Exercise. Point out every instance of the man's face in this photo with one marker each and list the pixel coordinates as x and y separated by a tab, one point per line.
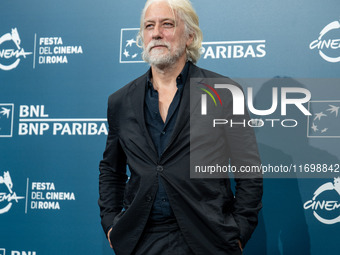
164	34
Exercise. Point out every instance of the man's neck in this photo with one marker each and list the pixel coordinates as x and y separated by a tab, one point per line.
167	76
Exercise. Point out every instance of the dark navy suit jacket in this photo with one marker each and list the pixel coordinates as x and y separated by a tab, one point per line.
210	218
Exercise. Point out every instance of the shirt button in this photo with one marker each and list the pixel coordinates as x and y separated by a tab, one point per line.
159	169
163	199
148	198
163	132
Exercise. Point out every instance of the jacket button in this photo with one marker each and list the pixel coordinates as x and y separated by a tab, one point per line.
148	198
159	169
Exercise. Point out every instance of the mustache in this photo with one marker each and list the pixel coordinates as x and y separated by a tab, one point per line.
153	44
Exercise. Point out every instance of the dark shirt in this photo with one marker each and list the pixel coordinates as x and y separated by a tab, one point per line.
160	133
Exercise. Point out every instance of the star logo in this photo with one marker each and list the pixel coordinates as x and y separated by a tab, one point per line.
6	120
129	50
325	121
5	111
334	109
130	42
314	127
126	53
319	115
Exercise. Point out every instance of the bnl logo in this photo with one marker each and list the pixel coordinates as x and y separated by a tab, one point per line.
239	99
3	252
6	120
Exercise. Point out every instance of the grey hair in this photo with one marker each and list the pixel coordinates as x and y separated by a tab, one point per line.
185	11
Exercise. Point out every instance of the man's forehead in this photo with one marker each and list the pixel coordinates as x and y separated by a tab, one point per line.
160	10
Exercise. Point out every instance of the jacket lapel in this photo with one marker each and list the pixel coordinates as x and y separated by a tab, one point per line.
184	108
137	101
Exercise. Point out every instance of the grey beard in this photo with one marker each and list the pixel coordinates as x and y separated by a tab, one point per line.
163	60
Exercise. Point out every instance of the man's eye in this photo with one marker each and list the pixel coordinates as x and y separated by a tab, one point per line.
167	24
149	26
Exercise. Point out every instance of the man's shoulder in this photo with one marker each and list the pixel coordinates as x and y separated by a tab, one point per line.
123	91
198	72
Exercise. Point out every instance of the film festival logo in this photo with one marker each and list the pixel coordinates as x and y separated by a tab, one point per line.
10	50
129	51
7	195
325	121
239	100
328	46
326	211
6	120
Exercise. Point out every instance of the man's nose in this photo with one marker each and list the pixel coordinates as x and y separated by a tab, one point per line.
157	32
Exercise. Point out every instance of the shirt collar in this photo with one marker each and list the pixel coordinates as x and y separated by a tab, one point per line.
181	78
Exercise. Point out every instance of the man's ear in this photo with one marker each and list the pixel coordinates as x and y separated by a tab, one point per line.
190	40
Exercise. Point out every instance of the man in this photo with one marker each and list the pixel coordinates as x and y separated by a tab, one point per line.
160	210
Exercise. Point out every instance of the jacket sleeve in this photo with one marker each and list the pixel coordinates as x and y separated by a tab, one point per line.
112	177
247	206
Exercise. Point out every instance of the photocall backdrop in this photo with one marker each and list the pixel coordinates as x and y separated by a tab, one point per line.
59	62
